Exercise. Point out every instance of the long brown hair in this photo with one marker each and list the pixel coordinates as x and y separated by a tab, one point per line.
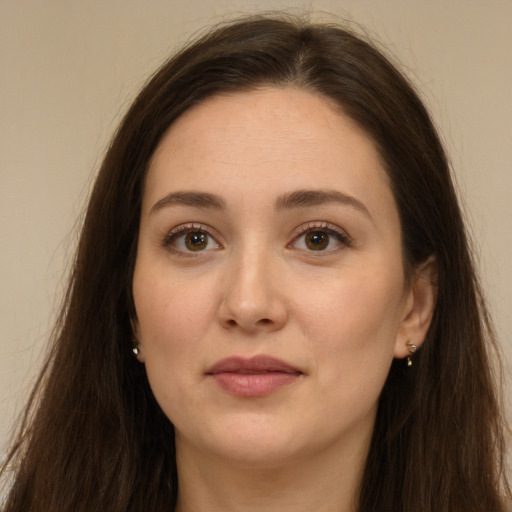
93	437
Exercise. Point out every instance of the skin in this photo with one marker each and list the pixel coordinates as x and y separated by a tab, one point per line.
339	314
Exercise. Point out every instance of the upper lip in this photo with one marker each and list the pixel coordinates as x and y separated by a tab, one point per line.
256	364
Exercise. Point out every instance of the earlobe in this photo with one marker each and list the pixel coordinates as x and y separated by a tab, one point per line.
418	309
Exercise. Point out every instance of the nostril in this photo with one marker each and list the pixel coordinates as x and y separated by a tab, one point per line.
265	321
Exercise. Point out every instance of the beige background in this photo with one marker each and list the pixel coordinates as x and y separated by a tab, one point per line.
68	69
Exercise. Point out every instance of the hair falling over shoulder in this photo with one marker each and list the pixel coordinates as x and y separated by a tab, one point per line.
93	437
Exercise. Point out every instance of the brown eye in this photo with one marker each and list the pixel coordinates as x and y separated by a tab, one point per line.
324	238
316	240
196	240
188	239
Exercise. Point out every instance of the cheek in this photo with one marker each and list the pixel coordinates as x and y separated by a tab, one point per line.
357	364
352	325
172	315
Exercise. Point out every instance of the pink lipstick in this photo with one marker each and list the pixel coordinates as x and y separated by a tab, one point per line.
254	377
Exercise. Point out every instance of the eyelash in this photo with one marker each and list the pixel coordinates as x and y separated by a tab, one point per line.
311	227
323	227
182	230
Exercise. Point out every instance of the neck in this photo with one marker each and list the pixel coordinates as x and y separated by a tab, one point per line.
326	482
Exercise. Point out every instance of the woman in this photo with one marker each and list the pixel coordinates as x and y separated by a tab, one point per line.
275	236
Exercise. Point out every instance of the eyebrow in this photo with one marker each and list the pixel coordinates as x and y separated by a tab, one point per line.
203	200
296	199
309	198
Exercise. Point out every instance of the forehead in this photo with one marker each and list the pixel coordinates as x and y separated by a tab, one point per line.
267	142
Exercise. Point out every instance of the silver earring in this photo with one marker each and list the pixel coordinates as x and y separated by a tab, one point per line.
135	348
412	350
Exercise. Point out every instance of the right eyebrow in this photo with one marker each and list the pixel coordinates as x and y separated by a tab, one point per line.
190	198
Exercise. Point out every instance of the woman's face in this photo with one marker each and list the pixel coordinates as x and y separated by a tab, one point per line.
268	284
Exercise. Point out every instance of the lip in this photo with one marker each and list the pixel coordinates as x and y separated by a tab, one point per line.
253	377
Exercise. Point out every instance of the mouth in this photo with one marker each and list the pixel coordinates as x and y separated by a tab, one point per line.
254	377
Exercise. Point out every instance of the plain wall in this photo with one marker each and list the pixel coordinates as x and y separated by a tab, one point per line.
68	70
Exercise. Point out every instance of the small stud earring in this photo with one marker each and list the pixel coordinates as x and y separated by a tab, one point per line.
135	348
412	349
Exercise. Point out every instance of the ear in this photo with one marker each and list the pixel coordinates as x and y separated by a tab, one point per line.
136	340
419	305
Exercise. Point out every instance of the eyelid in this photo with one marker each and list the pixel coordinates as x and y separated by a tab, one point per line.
332	229
188	227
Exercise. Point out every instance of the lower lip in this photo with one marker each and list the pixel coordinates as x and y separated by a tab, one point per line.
254	385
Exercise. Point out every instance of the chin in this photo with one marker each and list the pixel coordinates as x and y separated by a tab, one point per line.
253	440
260	453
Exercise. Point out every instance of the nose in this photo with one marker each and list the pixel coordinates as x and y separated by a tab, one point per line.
253	299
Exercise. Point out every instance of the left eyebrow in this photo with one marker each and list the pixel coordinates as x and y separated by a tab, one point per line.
190	198
309	198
